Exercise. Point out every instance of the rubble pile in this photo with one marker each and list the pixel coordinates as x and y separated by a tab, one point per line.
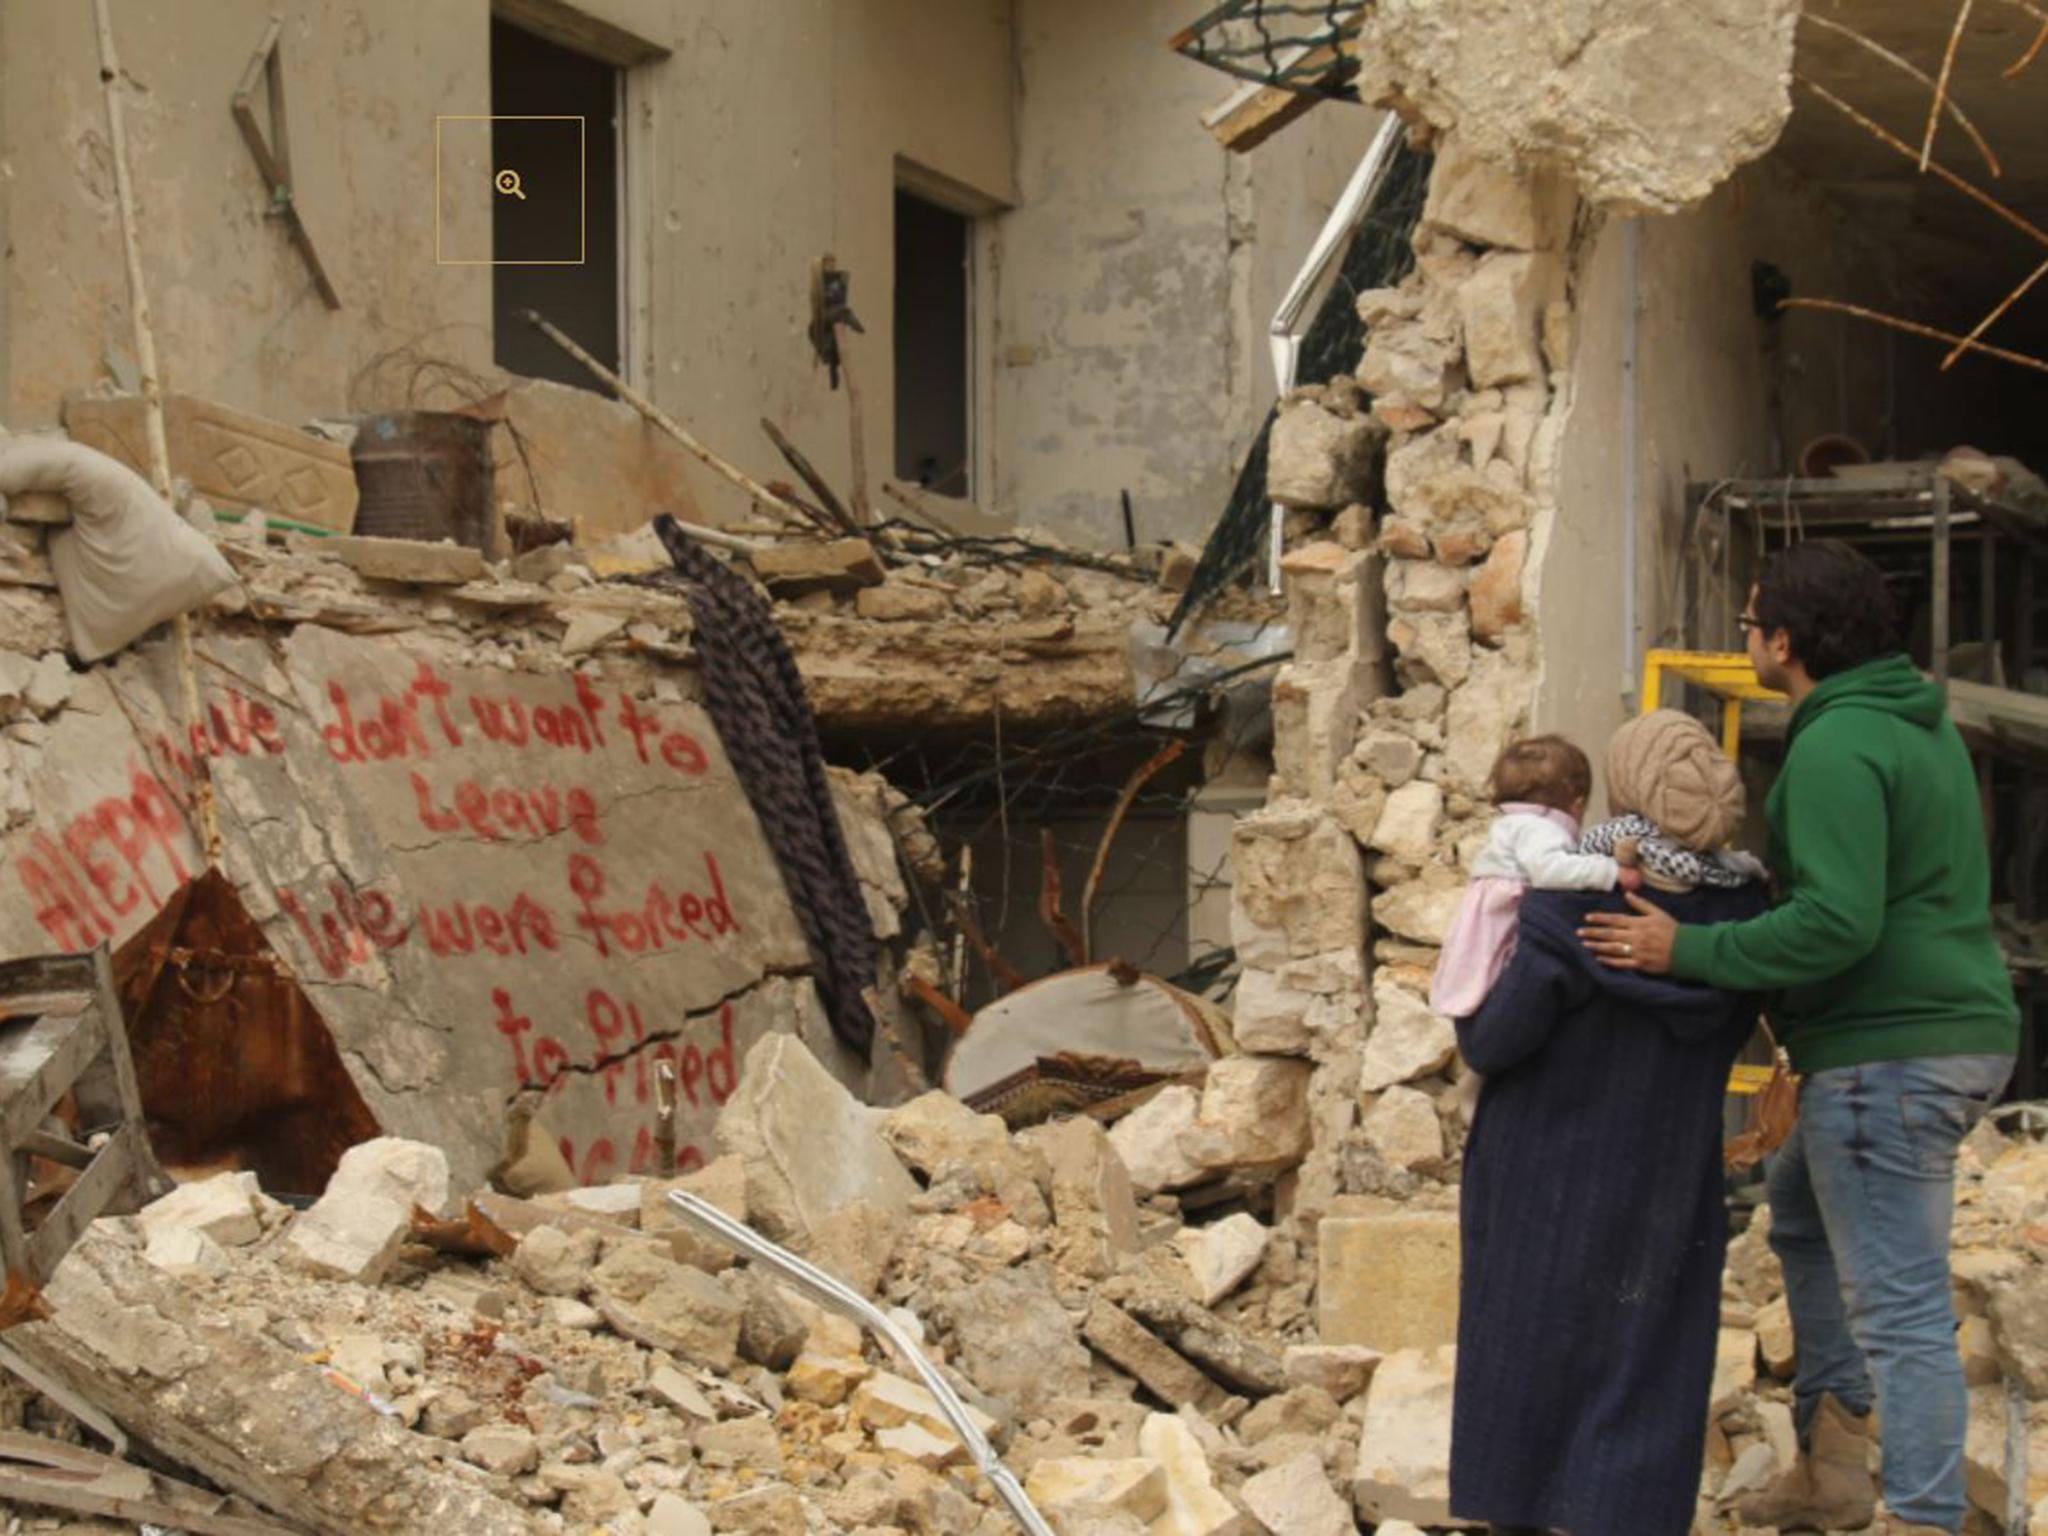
1999	1272
610	1368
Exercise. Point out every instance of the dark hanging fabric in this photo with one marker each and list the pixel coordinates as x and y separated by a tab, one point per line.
756	699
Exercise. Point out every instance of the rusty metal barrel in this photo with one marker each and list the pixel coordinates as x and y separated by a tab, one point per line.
424	475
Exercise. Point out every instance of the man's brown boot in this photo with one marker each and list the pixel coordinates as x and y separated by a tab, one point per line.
1830	1487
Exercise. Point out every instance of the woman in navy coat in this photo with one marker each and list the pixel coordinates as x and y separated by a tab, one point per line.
1593	1232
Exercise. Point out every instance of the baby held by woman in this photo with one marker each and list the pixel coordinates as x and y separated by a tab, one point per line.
1676	799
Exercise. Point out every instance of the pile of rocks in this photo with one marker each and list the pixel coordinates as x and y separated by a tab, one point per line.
614	1369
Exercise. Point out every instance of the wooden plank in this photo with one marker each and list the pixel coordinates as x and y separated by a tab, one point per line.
38	1061
1264	113
115	1169
150	1178
580	32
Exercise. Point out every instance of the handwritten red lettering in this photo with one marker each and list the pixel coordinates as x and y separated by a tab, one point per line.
663	915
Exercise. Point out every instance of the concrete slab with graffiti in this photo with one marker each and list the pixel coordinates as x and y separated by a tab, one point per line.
488	879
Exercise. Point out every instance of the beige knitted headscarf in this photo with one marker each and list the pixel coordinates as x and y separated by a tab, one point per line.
1667	766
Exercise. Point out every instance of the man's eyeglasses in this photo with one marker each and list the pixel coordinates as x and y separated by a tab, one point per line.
1749	621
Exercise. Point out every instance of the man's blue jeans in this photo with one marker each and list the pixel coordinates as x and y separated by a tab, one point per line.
1862	1196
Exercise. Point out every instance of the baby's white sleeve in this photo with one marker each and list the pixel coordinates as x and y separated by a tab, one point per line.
1547	859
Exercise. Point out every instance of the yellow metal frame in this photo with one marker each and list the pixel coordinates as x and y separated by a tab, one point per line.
1727	675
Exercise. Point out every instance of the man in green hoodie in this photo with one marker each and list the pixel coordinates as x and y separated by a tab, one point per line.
1893	1000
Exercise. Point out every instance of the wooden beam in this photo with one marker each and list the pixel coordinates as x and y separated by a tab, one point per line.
574	28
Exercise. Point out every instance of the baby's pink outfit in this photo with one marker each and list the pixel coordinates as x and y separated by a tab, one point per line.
1529	845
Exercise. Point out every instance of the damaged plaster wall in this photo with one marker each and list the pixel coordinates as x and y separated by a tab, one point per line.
1719	393
1139	273
491	874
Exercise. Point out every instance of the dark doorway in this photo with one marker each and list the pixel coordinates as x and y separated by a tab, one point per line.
555	236
933	390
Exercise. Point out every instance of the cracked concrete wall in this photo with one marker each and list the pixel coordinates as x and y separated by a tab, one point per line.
487	879
1139	272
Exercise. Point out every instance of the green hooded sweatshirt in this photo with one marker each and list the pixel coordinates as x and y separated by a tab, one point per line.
1883	948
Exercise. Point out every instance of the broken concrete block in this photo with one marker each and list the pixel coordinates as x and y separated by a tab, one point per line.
554	1262
1270	1018
796	566
770	1511
1774	1338
502	1448
1404	1444
50	686
1094	1213
898	602
587	632
723	1182
1223	1255
229	456
936	1129
1421	910
914	1443
451	1415
1319	459
827	1380
1297	887
1734	1370
1193	1506
1134	1485
1407	1041
884	1401
1480	202
1502	305
1408	825
749	1443
1342	1370
1014	1340
632	1268
1496	590
809	1148
1148	1141
1142	1355
688	1314
354	1231
1254	1114
2019	1320
412	561
186	1252
224	1208
1388	1281
1296	1499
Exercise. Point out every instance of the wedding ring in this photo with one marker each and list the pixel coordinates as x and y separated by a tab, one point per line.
1628	951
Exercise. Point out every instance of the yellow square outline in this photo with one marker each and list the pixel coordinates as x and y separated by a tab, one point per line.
582	182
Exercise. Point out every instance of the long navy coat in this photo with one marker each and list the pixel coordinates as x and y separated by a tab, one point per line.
1594	1232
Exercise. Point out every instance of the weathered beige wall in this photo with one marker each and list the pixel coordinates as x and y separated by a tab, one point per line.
236	312
1705	410
1140	271
768	136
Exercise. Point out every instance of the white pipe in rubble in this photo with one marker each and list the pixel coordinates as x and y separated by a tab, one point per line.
822	1288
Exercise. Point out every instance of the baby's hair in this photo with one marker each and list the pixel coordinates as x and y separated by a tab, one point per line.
1541	770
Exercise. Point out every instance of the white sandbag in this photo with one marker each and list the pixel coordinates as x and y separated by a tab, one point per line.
127	562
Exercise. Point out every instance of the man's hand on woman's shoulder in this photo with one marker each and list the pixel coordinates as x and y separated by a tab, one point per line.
1639	943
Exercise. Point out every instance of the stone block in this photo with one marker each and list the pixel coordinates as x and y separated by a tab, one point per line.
1295	1499
1402	1127
225	1208
1424	586
1734	1370
354	1230
1062	1484
1012	1338
230	457
1334	603
1148	1139
1095	1214
554	1262
672	1515
186	1252
1388	1280
1342	1370
808	1147
2019	1321
1297	887
1502	307
797	566
1270	1017
774	1510
1433	647
1480	202
1483	717
412	561
936	1129
723	1182
1222	1255
1404	362
1421	910
1320	459
1315	708
884	1401
1408	825
1404	1445
827	1380
1138	1352
1774	1339
899	602
1193	1505
687	1313
502	1448
1496	590
1254	1115
1407	1041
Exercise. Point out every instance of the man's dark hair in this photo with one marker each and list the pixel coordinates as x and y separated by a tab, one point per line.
1833	605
